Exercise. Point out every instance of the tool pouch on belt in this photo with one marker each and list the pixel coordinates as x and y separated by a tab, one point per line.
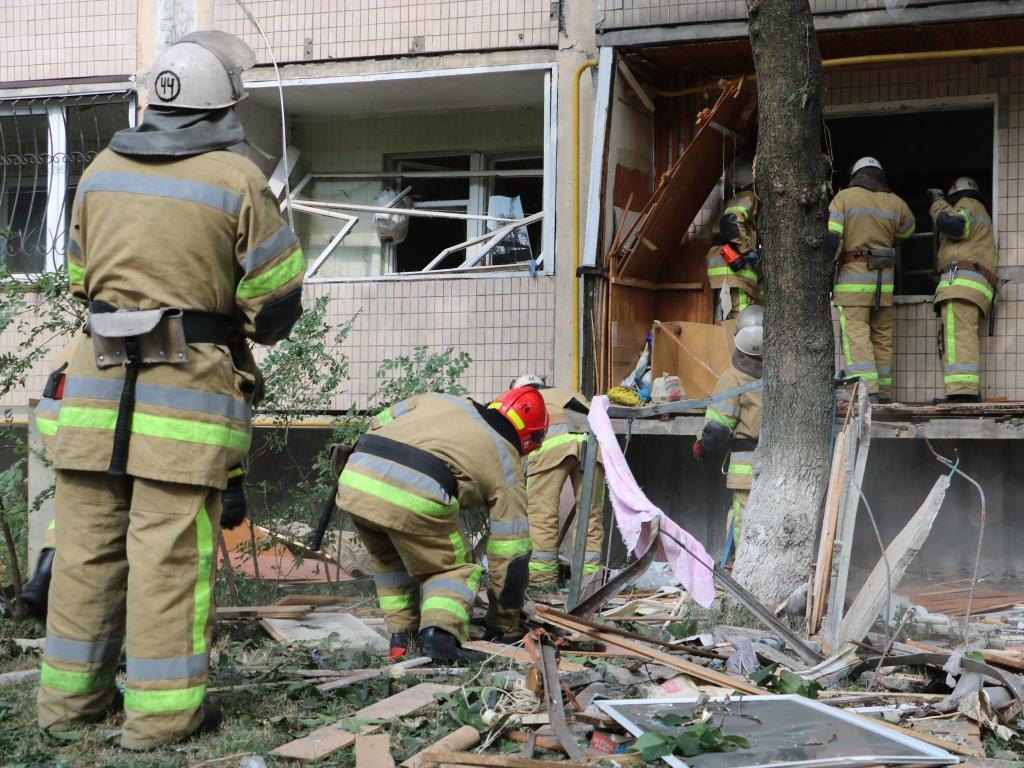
880	260
156	335
132	338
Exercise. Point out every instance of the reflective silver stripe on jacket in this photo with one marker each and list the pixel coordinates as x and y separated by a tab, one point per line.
160	395
392	472
81	651
160	186
167	669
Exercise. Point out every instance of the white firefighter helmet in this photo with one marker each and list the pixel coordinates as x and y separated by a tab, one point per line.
865	162
963	184
743	173
750	330
203	70
528	380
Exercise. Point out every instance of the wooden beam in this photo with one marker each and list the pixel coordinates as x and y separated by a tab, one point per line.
456	741
653	285
374	751
498	761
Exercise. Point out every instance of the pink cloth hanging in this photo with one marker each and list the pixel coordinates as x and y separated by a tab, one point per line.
639	521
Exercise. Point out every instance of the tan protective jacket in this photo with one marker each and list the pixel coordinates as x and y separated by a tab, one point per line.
486	466
866	220
739	222
966	239
559	443
201	233
741	415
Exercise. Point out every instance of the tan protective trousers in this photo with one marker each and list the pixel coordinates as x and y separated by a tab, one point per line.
422	580
543	492
866	338
740	301
134	560
960	347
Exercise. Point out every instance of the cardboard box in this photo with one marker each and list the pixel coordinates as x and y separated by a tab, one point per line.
697	353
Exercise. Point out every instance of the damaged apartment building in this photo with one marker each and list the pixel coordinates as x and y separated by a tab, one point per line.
522	139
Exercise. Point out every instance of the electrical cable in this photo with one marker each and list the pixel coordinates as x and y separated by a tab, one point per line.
284	125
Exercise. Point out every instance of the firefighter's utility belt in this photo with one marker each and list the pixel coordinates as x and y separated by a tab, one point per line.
411	457
132	338
973	266
744	444
876	258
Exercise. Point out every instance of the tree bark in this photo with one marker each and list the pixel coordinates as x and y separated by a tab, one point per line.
791	462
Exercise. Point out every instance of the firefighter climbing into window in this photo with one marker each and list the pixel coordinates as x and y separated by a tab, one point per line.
865	220
403	485
967	261
178	248
559	459
733	258
733	422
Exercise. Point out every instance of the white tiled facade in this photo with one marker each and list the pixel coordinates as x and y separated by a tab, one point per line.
346	29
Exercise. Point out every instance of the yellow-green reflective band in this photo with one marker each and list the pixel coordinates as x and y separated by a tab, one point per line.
966	216
741	469
736	209
395	602
835	226
204	550
950	336
845	336
558	440
448	605
76	682
164	427
719	271
746	273
164	701
885	381
52	525
909	232
712	415
273	278
963	282
743	301
396	496
236	472
543	567
509	547
962	378
76	274
590	568
46	427
473	582
385	417
459	547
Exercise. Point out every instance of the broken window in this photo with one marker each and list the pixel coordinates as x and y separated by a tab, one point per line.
918	150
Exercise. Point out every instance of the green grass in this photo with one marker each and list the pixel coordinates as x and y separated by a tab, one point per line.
258	716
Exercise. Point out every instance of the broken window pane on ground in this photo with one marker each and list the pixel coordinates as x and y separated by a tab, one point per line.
780	730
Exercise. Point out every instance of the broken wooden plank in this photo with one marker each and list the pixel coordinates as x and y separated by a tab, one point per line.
359	676
553	699
823	567
498	761
456	741
265	611
329	739
871	598
652	654
339	630
516	654
373	750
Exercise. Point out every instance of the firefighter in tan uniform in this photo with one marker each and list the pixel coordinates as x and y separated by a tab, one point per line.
733	258
403	485
547	469
734	422
180	251
865	220
967	263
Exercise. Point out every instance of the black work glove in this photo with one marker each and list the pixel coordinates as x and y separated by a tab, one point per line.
232	500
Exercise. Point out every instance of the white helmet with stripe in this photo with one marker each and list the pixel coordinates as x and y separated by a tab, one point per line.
865	162
963	184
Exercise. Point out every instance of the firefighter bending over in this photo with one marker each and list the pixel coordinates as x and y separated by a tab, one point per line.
403	485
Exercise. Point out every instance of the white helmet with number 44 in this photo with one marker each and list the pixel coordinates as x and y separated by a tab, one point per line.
203	70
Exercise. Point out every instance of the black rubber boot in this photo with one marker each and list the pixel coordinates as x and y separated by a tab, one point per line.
212	720
36	591
963	399
401	642
443	646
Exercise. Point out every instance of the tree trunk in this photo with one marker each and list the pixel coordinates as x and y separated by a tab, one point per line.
791	462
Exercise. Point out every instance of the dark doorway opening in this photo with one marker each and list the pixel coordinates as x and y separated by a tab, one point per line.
918	150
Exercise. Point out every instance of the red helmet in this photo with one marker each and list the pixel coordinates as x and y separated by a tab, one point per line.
524	408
